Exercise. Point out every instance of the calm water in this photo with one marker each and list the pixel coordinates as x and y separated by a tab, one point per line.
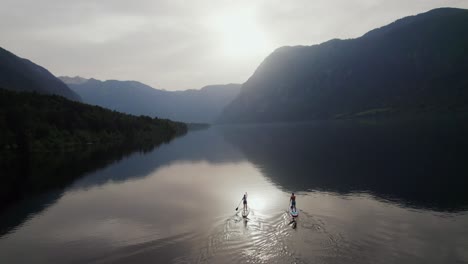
367	193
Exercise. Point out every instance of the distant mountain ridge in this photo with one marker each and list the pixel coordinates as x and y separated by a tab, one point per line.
202	106
18	74
416	65
73	80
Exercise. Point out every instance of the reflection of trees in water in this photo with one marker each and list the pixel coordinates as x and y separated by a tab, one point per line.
420	165
32	174
204	145
47	175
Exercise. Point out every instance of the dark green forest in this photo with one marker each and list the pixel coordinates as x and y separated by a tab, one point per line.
34	122
47	141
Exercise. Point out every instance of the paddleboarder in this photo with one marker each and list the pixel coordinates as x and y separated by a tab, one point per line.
293	201
244	199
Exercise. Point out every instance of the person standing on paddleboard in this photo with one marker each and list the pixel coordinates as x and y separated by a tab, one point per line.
293	201
244	199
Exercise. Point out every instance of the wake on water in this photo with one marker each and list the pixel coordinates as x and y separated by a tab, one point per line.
264	239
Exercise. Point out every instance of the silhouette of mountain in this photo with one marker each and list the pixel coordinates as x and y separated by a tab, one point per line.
202	106
20	74
414	66
73	80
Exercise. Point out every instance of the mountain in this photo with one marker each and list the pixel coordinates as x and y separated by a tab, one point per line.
202	106
20	74
73	80
416	65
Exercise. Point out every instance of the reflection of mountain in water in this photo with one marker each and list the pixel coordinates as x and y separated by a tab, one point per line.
201	145
420	165
61	170
37	180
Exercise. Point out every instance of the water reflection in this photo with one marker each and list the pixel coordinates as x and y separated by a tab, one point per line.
37	180
197	146
422	165
87	169
177	203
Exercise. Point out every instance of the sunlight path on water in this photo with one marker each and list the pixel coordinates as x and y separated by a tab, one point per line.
177	204
174	200
184	212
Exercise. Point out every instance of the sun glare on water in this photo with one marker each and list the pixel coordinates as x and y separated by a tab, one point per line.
239	34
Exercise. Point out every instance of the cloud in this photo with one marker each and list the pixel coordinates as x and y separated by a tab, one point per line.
175	44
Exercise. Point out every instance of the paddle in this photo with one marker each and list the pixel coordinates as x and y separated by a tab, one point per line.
239	204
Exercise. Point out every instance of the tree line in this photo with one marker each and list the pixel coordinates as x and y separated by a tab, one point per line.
36	122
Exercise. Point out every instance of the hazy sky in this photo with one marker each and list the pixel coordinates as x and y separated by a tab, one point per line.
175	44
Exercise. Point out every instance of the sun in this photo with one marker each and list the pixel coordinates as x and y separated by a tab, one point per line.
239	34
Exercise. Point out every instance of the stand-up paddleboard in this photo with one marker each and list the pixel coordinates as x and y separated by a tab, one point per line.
293	212
245	212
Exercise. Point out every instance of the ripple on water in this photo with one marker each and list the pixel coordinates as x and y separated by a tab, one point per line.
269	239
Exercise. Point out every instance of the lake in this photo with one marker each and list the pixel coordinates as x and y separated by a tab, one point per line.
367	192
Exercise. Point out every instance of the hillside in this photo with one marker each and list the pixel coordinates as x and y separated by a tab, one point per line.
18	74
414	66
34	122
200	106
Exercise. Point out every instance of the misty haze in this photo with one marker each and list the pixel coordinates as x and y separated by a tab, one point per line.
234	132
